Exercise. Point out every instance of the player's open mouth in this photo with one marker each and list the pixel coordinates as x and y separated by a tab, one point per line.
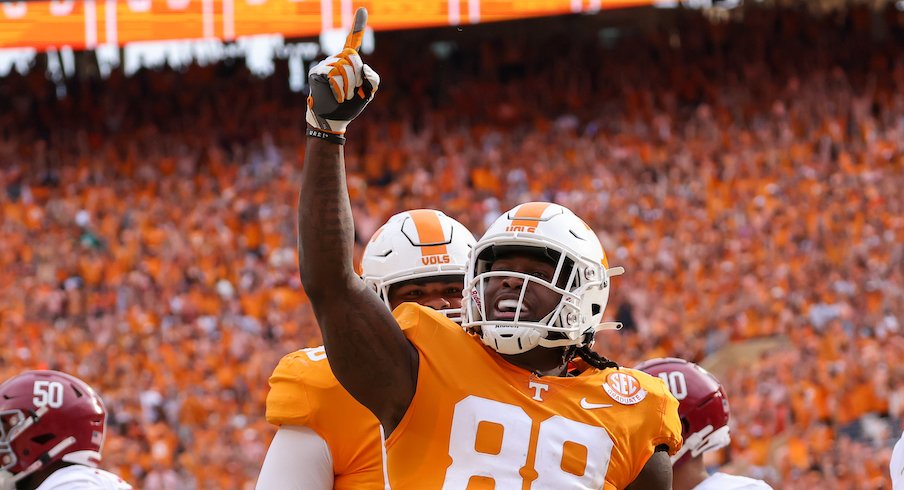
506	307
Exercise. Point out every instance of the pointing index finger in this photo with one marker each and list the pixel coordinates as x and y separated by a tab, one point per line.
357	35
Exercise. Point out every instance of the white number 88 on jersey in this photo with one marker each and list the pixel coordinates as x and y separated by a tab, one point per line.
493	440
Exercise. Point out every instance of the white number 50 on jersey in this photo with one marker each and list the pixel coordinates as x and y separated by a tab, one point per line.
503	463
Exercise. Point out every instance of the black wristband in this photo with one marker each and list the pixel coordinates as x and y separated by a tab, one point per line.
334	138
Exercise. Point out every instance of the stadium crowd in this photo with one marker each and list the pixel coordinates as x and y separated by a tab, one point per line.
747	175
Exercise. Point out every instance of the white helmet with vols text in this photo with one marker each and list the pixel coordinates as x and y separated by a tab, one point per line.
416	244
582	278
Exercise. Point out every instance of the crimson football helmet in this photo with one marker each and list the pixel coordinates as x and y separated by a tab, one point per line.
45	417
702	404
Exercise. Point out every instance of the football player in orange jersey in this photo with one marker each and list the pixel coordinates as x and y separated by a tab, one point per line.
327	439
498	407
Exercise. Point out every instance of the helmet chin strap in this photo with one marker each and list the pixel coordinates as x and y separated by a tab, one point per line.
588	336
608	326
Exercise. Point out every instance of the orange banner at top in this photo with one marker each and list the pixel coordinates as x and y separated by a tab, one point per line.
91	23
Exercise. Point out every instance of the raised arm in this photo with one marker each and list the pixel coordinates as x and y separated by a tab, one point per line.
366	349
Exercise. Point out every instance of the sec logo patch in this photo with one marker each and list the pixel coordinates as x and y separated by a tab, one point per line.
624	388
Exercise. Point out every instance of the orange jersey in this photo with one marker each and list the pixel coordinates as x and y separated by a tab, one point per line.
304	391
477	421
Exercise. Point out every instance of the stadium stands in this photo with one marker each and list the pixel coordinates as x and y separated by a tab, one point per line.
747	175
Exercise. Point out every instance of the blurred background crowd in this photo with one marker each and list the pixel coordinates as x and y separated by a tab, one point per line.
746	171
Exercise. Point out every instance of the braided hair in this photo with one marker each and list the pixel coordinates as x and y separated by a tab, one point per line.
595	359
589	356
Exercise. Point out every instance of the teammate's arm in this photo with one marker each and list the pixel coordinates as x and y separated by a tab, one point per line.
368	352
298	459
656	474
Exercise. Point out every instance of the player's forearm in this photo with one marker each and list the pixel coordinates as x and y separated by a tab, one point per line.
325	227
368	353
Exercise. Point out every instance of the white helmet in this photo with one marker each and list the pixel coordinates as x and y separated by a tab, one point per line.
416	244
563	237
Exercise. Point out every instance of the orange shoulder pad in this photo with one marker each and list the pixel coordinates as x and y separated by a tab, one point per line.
288	402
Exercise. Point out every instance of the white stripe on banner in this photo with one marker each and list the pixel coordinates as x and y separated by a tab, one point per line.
345	6
454	13
228	20
474	11
326	15
207	18
90	24
110	25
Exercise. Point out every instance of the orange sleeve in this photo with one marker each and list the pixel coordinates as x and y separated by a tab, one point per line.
669	432
304	391
287	401
647	434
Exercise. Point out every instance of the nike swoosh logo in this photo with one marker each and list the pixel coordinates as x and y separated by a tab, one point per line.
590	406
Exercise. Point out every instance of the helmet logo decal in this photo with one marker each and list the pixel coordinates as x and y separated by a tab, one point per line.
624	388
527	217
528	229
475	297
429	232
436	259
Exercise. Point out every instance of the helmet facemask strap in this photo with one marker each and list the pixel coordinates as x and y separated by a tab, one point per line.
17	419
39	463
7	436
705	440
551	323
546	322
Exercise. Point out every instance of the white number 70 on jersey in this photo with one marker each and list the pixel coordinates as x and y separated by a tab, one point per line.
555	436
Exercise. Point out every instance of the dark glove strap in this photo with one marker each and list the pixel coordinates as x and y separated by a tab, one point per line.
334	138
328	108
